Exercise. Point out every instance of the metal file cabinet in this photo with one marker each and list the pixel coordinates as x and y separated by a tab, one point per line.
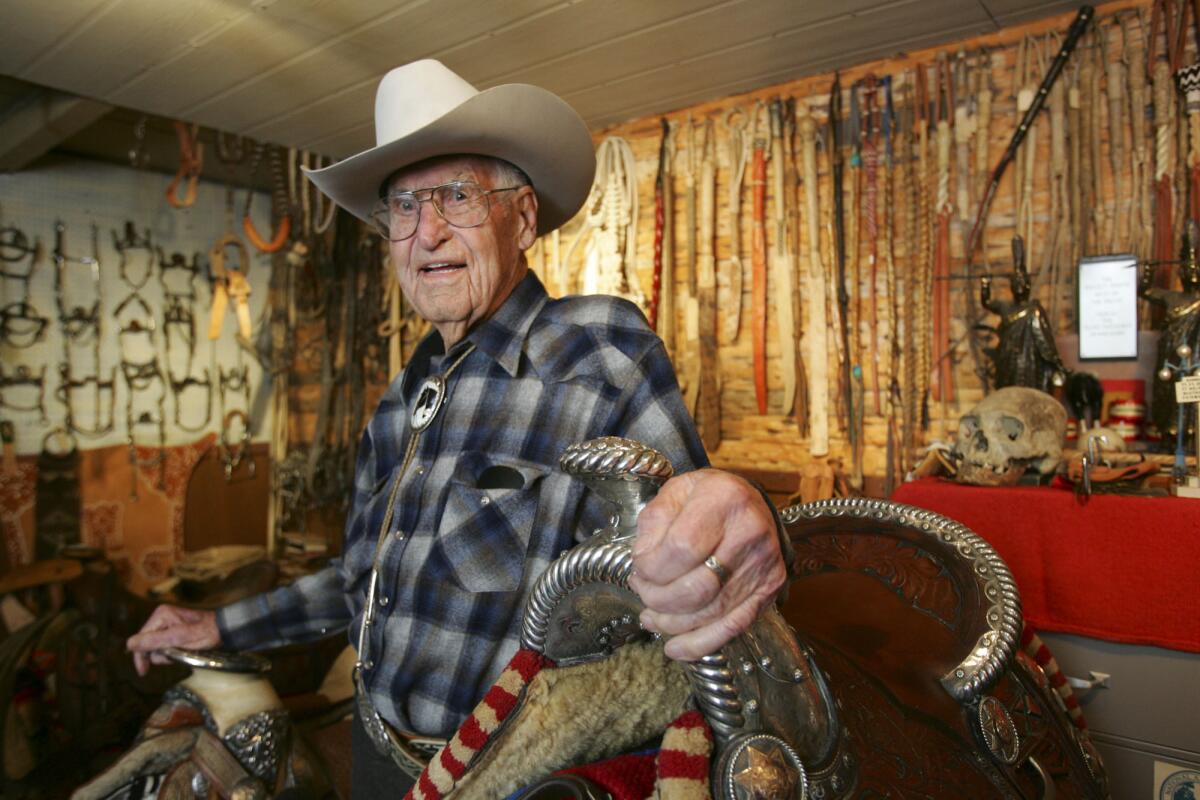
1147	714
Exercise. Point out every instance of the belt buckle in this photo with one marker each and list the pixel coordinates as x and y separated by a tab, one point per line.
388	743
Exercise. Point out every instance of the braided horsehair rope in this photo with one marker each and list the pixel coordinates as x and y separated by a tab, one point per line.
608	230
1135	55
925	247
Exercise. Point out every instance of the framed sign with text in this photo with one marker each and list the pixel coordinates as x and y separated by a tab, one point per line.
1108	324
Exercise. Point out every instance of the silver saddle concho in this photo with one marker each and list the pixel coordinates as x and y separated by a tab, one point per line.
222	732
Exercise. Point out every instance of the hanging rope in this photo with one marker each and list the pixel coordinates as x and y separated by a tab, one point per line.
943	342
610	242
281	203
191	161
924	185
1135	73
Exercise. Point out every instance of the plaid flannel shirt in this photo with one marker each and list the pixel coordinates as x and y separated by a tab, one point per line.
462	554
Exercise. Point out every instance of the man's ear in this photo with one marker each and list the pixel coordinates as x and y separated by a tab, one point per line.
526	208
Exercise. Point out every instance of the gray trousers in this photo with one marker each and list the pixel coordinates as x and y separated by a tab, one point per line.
372	774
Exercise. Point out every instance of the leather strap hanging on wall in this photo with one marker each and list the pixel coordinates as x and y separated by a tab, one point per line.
1025	88
708	411
792	203
1142	223
1114	88
913	325
870	213
1059	253
983	135
816	330
666	247
852	216
735	123
943	349
782	266
758	257
895	403
659	179
690	361
837	173
1164	168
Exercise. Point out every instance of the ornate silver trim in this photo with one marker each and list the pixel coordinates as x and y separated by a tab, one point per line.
181	694
593	562
996	729
994	648
259	741
615	457
246	663
717	696
733	790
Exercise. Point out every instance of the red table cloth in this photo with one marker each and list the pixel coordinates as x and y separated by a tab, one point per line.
1125	569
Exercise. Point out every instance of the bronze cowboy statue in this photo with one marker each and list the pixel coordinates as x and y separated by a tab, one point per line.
1182	327
1025	354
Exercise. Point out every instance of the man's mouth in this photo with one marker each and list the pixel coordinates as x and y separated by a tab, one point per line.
442	267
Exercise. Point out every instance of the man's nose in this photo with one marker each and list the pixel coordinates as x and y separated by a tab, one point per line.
432	229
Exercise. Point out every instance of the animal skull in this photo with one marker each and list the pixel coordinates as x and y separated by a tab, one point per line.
1012	429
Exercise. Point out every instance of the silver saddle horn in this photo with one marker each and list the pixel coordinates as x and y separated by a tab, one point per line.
768	705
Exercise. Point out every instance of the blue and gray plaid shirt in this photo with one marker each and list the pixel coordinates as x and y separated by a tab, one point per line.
482	509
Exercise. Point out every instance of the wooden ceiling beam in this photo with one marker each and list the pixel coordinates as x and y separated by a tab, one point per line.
41	121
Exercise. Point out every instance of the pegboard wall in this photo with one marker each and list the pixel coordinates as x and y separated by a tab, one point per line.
93	199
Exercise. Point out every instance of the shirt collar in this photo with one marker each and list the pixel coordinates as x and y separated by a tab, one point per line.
502	336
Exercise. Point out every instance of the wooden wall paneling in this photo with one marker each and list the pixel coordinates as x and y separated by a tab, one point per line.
773	441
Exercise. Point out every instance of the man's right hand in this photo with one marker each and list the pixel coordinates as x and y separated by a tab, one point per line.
171	626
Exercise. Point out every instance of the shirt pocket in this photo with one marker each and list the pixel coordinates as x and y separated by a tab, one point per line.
484	533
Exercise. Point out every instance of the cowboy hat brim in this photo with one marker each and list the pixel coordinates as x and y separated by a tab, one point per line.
522	124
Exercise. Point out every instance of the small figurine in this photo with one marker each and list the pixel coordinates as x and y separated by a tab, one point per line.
1182	330
1025	354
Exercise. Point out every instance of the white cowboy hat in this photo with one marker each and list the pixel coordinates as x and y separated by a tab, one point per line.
424	110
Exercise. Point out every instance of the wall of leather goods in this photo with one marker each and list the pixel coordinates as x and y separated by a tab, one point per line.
750	201
108	376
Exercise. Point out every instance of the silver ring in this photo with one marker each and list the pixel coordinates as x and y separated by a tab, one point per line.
718	569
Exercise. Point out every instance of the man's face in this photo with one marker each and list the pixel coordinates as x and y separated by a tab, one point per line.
455	277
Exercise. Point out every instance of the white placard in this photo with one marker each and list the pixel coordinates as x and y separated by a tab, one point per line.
1108	307
1187	390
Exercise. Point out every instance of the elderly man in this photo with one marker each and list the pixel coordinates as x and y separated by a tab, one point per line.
458	504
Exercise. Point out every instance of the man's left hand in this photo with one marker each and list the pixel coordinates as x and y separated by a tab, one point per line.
694	516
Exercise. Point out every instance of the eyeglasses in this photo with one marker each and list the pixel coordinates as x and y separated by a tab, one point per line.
463	204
